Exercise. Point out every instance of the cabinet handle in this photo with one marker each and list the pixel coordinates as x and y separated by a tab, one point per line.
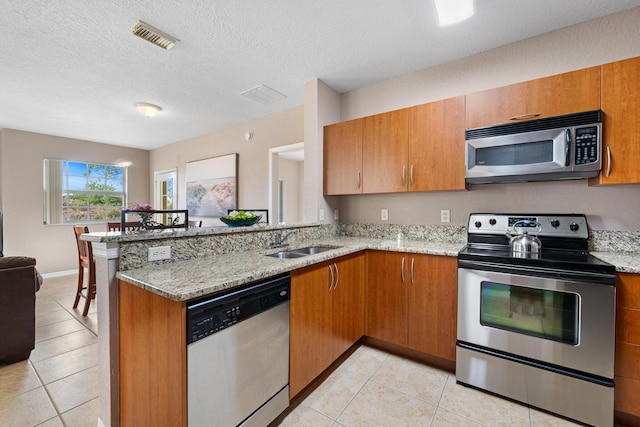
337	276
411	175
413	260
331	282
525	116
358	180
402	273
608	162
404	170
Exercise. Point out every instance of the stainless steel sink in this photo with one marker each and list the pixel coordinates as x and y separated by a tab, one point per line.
287	254
311	250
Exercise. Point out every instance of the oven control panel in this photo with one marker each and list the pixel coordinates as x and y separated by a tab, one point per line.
552	225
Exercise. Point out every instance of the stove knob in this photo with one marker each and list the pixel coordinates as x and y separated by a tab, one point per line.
574	227
478	224
555	223
492	221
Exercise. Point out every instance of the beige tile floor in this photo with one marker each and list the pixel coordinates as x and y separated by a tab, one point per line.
58	385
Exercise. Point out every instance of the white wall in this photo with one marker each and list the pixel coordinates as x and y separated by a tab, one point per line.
593	43
278	129
53	246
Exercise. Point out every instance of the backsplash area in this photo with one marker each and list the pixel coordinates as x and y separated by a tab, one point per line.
431	233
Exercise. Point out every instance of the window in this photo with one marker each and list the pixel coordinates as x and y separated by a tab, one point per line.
82	192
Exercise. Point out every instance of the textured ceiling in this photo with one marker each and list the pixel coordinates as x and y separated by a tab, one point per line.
71	68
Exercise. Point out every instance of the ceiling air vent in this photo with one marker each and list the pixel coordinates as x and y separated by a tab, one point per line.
153	35
263	94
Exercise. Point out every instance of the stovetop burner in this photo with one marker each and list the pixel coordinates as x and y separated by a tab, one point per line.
564	241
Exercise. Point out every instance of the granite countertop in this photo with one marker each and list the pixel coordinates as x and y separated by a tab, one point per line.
624	262
186	280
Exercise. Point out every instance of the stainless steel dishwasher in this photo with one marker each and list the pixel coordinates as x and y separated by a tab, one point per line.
238	356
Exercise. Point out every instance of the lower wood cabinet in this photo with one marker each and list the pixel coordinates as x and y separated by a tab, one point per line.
627	365
327	316
412	300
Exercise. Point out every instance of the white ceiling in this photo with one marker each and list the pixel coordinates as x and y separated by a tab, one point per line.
71	68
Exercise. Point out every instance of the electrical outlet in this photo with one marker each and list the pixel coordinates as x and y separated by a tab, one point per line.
445	215
336	214
384	214
159	252
321	215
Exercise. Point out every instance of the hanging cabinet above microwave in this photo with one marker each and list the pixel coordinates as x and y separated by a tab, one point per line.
556	95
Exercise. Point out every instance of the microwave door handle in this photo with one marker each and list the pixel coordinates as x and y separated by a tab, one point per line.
567	147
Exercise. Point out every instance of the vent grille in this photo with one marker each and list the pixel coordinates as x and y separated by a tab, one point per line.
585	118
153	35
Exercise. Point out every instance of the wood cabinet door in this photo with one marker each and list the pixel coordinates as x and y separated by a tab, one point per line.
433	293
387	296
348	301
343	158
436	145
621	124
385	152
556	95
310	345
627	365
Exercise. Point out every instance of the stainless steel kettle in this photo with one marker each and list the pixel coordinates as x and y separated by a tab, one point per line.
523	244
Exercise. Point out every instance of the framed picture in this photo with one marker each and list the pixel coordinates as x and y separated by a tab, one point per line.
212	186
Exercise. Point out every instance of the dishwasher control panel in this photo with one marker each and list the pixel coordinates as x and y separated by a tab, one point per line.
208	316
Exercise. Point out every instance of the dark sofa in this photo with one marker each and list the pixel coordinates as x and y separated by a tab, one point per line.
19	282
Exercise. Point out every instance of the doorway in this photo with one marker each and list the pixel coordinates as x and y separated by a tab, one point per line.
165	185
286	183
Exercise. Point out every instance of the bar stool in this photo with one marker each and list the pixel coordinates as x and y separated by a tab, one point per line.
85	261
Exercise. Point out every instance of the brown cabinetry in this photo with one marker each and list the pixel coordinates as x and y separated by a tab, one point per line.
343	158
327	316
621	122
411	301
436	146
627	365
385	152
545	97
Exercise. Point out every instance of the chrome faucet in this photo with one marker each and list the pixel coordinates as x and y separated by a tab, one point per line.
281	238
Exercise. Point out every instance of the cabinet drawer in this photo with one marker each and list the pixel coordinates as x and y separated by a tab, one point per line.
628	291
628	325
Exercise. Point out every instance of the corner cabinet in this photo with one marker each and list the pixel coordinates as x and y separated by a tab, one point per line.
327	316
545	97
621	123
342	172
412	300
627	367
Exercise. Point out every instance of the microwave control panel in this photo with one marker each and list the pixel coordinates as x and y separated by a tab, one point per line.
586	145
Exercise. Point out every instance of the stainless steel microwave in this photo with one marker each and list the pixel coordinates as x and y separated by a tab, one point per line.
553	148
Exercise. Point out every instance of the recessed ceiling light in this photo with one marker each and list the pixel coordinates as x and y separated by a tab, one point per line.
454	11
153	35
263	94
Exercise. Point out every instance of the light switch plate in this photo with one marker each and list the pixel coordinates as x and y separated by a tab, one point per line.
445	215
384	214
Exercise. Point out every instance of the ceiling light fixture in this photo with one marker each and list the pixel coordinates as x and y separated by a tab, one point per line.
147	110
454	11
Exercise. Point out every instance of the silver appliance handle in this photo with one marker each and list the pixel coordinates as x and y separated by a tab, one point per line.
608	162
337	276
567	147
402	273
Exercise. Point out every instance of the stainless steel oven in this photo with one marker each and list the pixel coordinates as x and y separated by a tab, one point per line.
538	329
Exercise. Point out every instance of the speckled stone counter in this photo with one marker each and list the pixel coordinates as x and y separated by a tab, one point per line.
186	280
624	262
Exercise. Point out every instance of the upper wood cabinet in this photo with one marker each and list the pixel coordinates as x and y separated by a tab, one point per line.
545	97
621	122
436	146
343	158
385	152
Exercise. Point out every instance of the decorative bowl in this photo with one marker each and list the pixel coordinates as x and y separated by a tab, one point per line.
241	222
